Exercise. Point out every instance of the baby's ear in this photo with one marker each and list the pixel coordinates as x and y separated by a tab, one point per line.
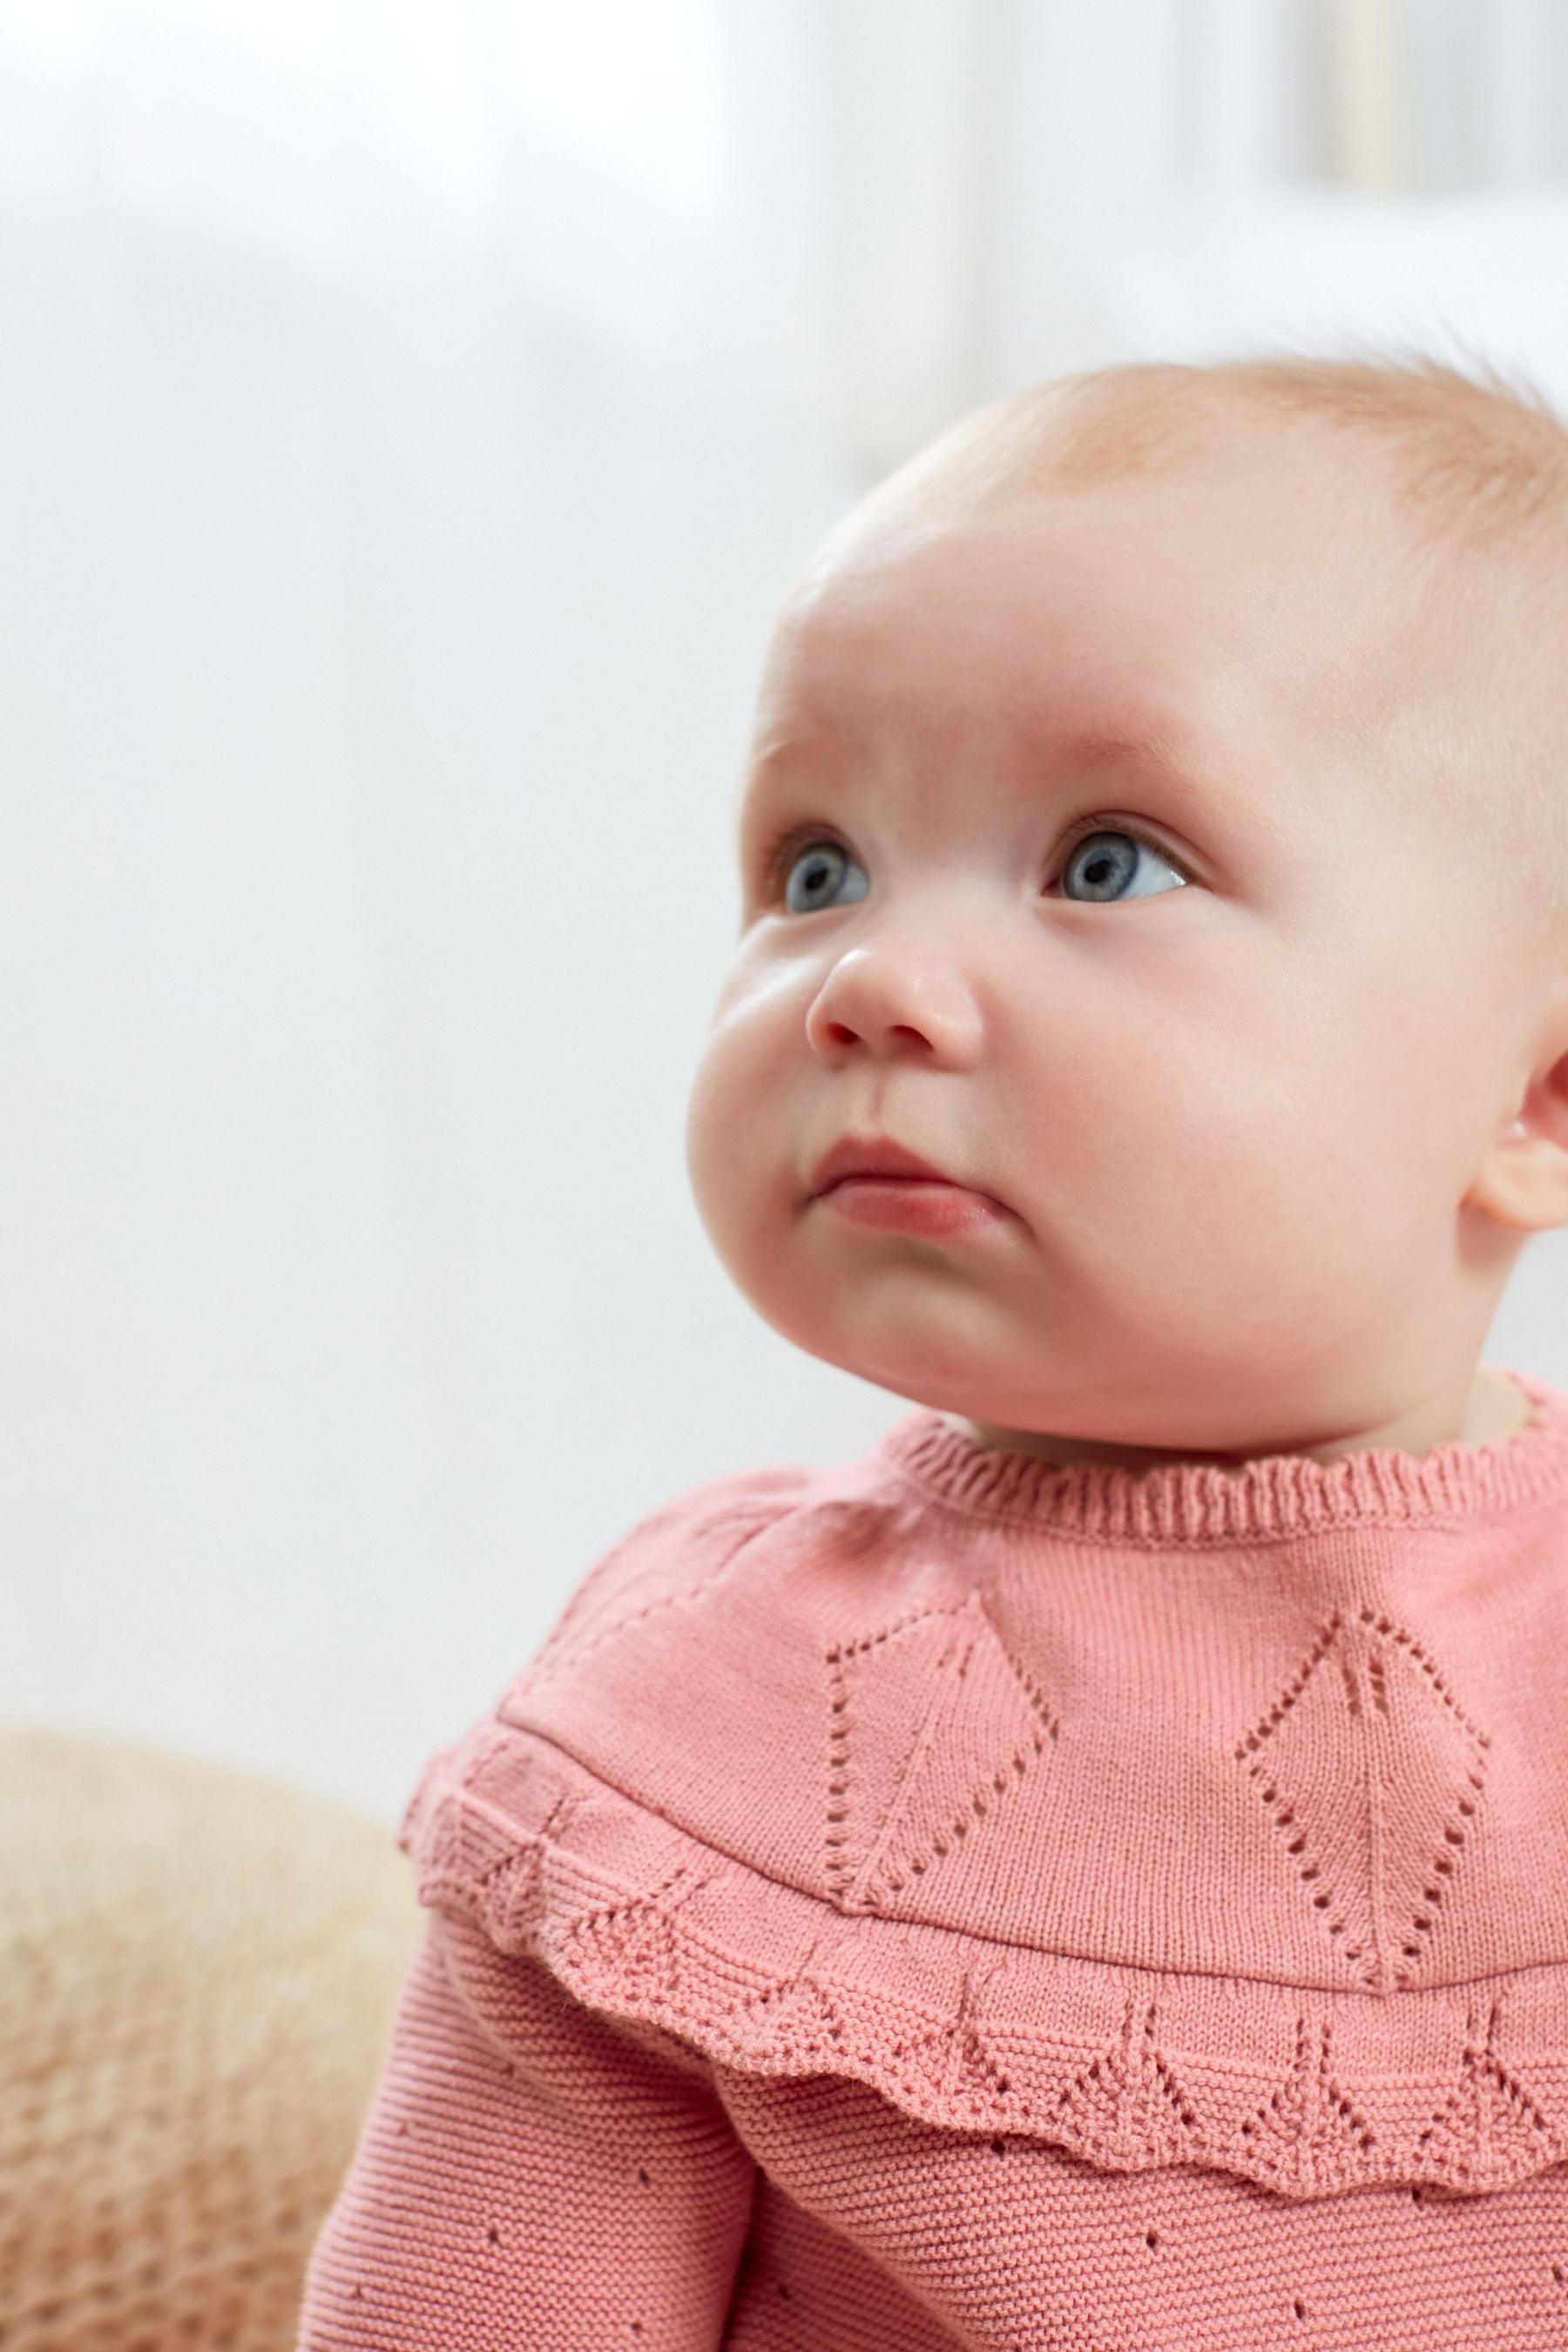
1523	1180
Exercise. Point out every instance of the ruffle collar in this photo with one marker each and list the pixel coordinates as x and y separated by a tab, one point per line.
1304	2091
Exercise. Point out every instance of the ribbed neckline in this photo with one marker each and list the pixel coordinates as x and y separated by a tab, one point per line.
1276	1496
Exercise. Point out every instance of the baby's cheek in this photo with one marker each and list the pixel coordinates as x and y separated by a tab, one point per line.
734	1146
709	1107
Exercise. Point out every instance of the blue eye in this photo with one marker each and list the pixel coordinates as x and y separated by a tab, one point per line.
815	875
1104	862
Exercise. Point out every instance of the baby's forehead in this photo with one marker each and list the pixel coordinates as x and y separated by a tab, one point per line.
1418	518
1442	481
1122	607
1129	483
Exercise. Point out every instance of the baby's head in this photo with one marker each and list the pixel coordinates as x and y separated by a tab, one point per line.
1157	820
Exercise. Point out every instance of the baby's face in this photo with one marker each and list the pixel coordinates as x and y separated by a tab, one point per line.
1101	893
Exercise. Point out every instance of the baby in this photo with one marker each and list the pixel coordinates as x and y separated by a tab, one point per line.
1092	1872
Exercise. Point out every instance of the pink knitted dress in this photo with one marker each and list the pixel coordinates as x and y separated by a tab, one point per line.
944	1901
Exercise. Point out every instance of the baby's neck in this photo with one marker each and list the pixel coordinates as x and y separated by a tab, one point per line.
1495	1409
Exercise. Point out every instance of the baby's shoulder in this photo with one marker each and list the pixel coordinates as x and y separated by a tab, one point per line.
695	1661
672	1552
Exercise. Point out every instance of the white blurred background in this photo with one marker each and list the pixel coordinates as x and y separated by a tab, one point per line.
411	412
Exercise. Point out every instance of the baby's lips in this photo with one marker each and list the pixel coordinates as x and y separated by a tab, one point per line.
874	1155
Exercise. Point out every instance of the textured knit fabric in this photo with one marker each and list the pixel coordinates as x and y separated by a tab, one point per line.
198	1970
945	1901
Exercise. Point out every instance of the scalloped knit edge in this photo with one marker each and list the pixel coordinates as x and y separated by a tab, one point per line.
1122	2086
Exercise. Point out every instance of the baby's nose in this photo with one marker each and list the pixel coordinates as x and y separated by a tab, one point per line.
895	1000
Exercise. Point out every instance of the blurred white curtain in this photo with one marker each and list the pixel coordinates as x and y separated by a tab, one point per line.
992	164
410	412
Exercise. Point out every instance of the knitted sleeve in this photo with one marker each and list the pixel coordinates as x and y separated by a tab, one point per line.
527	2174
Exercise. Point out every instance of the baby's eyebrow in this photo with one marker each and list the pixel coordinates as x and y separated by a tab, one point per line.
770	768
1170	753
1055	753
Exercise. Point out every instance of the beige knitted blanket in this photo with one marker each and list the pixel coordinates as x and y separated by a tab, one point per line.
197	1973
